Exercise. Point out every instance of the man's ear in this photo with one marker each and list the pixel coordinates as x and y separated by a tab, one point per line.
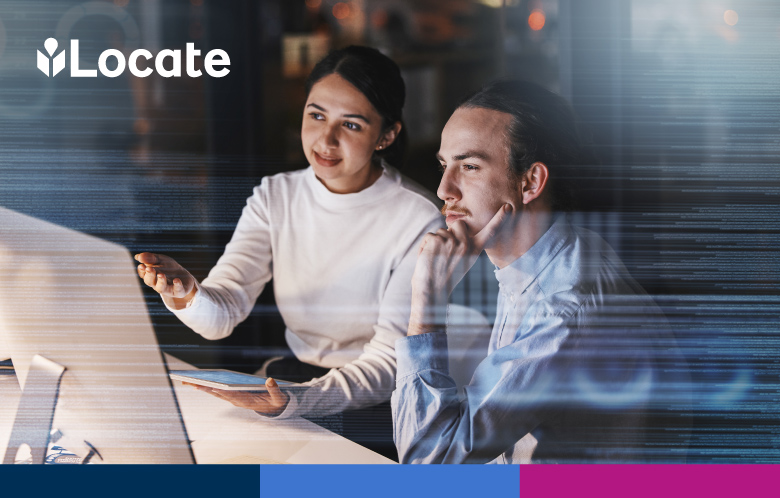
388	137
534	181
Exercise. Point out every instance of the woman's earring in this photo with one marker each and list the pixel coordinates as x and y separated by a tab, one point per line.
380	147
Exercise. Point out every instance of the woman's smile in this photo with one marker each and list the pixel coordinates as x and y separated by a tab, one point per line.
326	161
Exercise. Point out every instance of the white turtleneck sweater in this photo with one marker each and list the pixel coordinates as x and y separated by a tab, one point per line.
341	266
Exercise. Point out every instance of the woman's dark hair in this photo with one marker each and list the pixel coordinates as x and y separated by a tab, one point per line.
379	79
544	128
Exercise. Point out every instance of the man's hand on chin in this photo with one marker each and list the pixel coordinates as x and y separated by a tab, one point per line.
444	258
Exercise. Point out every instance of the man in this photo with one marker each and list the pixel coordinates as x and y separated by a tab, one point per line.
579	361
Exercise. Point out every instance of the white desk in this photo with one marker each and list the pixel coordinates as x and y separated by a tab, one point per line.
222	433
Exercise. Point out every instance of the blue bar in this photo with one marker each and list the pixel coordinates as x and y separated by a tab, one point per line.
390	481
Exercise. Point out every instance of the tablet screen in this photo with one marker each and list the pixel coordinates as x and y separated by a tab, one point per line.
223	379
222	376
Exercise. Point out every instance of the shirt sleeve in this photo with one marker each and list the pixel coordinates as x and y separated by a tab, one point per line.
226	297
510	393
370	379
584	371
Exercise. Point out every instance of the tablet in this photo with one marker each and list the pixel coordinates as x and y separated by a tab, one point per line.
224	379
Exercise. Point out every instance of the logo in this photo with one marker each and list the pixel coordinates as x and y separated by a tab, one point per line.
167	63
43	60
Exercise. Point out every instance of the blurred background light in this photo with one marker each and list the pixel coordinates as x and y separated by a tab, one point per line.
379	18
341	10
731	17
536	20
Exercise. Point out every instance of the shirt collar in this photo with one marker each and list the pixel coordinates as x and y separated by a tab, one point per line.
521	272
383	187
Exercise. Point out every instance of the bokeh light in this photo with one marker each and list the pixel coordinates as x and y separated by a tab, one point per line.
379	18
142	126
731	17
313	4
536	20
341	10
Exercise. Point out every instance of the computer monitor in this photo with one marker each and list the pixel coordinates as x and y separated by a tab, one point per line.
75	300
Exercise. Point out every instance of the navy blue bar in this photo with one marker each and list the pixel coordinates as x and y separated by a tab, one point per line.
136	481
390	481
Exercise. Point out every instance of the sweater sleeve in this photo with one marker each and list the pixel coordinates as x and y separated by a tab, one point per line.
226	297
370	379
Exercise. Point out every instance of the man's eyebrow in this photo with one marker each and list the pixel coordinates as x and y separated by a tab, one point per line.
470	154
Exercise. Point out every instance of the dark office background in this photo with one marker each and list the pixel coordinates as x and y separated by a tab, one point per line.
681	99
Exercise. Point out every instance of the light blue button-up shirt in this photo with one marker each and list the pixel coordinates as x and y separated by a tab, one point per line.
580	368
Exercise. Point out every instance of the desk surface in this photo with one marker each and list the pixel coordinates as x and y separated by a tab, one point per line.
222	433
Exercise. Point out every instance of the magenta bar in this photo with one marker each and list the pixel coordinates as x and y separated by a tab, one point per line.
648	481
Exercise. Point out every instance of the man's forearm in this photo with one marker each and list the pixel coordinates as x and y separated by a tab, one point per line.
428	313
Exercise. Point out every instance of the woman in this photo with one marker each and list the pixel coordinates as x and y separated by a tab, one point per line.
339	239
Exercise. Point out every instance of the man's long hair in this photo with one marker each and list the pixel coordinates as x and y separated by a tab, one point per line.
544	128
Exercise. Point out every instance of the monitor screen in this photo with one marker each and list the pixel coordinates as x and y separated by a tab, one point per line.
75	300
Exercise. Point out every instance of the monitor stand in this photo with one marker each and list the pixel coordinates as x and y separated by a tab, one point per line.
36	410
